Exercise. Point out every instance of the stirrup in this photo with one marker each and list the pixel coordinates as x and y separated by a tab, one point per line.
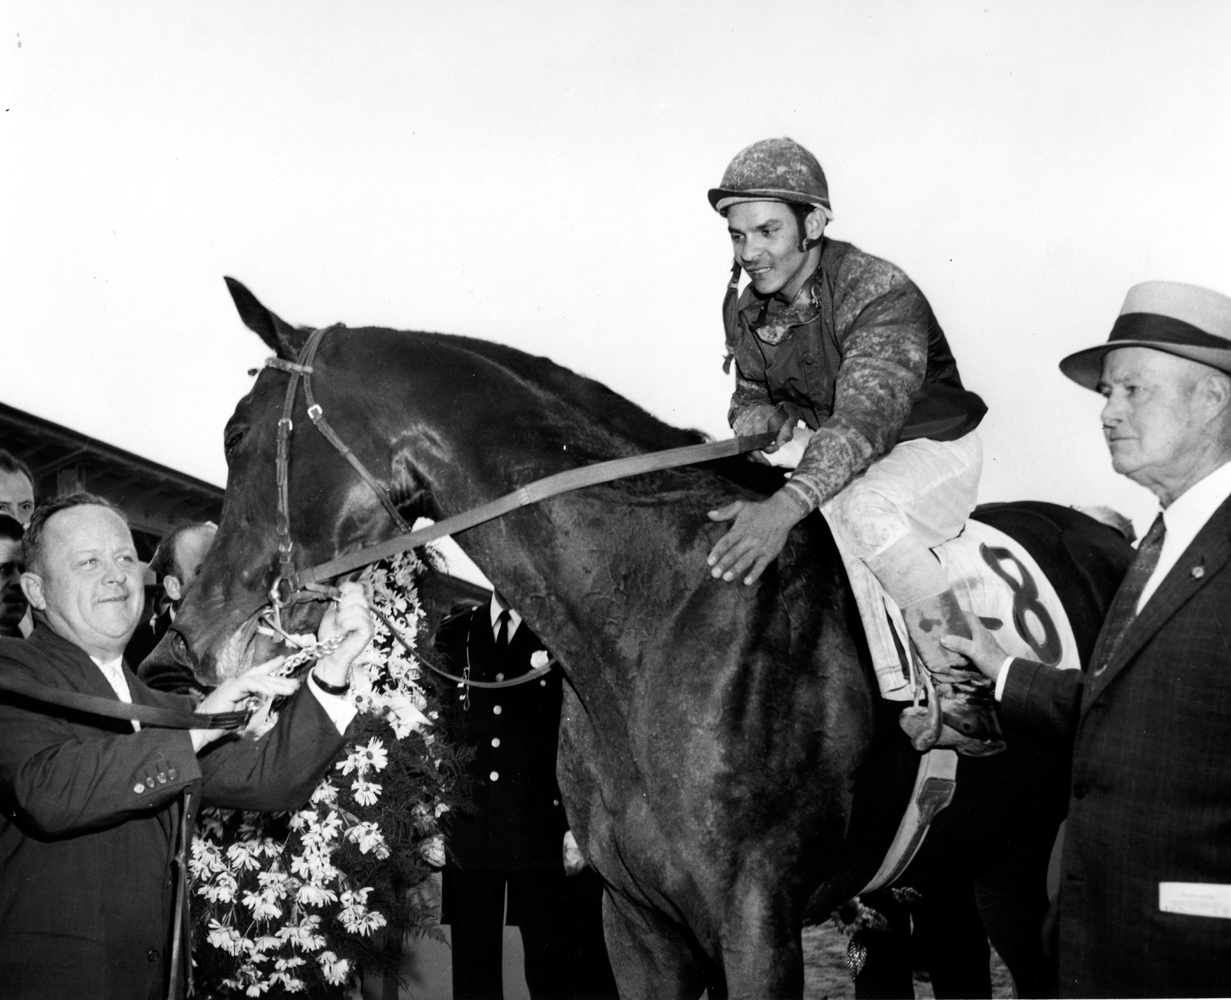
927	726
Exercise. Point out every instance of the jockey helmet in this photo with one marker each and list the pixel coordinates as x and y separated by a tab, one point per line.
773	170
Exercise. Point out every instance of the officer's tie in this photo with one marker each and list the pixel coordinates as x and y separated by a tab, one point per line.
1124	607
502	632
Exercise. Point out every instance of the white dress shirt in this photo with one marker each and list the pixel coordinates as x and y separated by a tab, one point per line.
1184	519
113	670
514	618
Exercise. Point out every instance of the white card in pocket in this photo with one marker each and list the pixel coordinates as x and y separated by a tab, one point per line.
1197	899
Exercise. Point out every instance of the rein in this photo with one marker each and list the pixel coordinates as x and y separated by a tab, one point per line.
293	585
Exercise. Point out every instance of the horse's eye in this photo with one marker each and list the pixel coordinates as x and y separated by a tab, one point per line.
232	439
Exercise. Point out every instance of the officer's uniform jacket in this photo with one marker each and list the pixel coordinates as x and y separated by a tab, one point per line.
518	821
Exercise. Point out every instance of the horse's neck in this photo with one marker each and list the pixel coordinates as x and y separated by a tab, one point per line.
589	573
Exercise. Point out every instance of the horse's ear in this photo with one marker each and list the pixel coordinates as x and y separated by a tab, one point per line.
284	339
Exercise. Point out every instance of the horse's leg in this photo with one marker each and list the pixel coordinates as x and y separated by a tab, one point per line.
761	949
651	957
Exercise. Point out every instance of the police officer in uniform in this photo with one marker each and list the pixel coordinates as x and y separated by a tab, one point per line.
514	837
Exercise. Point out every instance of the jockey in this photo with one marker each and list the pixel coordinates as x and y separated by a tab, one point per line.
844	347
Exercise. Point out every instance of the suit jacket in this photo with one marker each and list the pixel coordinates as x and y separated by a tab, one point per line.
1151	794
518	821
89	812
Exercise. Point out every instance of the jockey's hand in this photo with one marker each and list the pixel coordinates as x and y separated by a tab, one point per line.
235	694
755	539
782	423
982	649
351	617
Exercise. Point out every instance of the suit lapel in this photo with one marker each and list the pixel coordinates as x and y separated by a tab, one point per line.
73	666
1203	558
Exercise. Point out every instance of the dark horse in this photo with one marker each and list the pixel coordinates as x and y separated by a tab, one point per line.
727	764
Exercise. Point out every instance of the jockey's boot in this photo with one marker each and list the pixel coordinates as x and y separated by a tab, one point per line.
961	710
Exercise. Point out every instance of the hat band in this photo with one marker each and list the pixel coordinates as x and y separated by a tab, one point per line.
1163	330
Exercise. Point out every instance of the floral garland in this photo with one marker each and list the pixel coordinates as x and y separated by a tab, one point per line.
291	901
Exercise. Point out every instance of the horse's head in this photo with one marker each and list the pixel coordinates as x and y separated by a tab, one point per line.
442	423
329	508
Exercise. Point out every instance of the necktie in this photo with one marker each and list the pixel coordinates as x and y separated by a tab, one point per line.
1124	607
502	633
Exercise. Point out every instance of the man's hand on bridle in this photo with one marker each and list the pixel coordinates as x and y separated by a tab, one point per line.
351	617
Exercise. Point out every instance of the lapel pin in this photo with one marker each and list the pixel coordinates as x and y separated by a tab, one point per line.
1198	572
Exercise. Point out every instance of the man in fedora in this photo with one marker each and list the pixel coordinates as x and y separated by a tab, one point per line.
1145	889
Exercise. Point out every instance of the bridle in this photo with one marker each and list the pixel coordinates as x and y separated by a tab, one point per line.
301	370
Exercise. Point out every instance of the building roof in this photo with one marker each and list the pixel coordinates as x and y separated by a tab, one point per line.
155	498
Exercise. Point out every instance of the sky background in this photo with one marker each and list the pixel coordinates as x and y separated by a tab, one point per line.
535	173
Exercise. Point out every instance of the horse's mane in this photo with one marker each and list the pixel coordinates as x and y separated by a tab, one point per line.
609	410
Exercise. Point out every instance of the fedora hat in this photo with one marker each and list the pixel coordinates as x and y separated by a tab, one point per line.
1186	320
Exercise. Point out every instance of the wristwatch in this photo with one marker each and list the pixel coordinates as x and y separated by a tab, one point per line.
334	689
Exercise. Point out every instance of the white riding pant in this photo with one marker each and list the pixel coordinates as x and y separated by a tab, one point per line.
911	500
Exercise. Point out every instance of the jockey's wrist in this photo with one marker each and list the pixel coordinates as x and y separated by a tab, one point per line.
796	500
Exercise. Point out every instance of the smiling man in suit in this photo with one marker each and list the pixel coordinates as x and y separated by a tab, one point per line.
93	808
1145	891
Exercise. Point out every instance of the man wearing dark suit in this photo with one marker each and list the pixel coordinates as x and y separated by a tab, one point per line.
1145	888
516	835
93	809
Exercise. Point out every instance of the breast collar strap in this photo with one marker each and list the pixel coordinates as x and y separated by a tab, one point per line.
287	582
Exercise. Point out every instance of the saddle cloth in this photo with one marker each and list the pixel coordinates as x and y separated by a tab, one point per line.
991	575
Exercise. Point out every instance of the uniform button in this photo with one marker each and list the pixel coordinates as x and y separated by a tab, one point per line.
138	788
496	710
1079	791
494	776
152	955
495	741
500	677
162	777
172	773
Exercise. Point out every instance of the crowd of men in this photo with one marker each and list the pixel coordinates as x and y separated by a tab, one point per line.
840	354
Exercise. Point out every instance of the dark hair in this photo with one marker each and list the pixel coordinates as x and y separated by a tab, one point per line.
164	562
32	541
11	528
10	463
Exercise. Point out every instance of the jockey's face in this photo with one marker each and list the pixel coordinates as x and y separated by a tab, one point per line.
1157	418
87	583
766	240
